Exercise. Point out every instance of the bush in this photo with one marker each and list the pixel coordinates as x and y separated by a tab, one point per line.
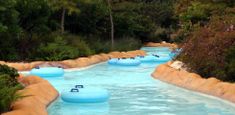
61	47
57	50
8	93
209	51
127	44
79	43
230	64
9	87
12	72
121	44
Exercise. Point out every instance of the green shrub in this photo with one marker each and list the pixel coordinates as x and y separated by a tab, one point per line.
57	50
230	64
61	47
99	46
159	35
127	44
80	44
8	87
8	93
210	51
12	72
121	44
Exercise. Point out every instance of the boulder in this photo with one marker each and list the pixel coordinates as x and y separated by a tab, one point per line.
104	57
116	54
83	62
35	63
69	63
95	59
18	66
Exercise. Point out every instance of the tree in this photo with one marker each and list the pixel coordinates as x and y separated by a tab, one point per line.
64	5
9	30
111	22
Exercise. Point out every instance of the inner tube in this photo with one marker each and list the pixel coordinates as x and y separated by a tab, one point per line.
113	61
172	54
163	59
149	58
47	72
85	95
128	62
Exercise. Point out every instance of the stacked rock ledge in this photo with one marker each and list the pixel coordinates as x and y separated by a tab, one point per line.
74	63
195	82
162	44
39	93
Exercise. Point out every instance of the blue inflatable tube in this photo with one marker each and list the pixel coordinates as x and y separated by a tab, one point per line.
85	95
113	61
128	62
149	58
47	72
172	55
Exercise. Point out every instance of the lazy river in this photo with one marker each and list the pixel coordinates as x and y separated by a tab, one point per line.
134	92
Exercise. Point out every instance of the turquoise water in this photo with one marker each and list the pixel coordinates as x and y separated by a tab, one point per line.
134	92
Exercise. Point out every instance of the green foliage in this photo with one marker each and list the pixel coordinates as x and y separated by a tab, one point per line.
58	48
209	50
92	19
197	13
122	44
34	16
230	64
131	18
8	17
11	72
8	93
30	28
8	28
8	87
127	44
69	5
81	46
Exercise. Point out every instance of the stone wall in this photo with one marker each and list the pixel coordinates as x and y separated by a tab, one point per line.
74	63
195	82
39	94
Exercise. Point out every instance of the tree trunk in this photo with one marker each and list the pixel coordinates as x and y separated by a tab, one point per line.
112	24
62	21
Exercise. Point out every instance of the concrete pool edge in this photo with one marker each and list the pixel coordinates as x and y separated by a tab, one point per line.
39	95
195	82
